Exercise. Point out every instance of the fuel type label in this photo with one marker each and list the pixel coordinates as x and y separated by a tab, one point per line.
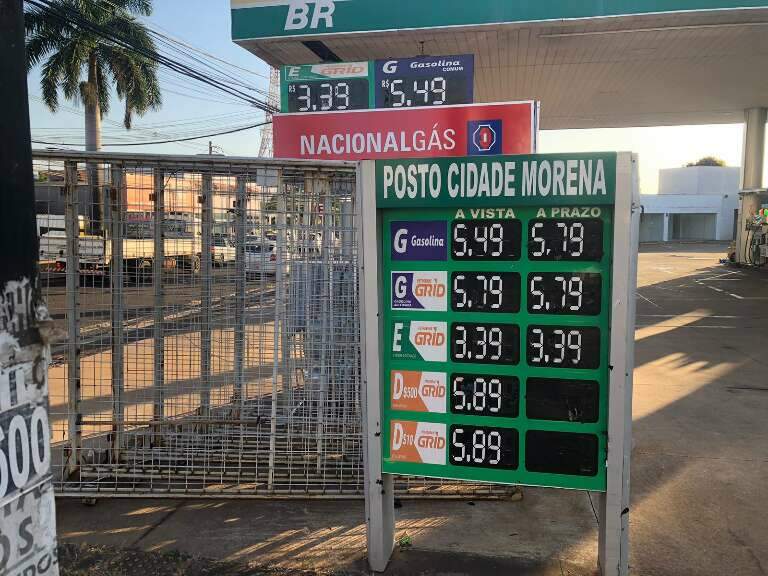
416	391
419	240
426	291
418	442
414	340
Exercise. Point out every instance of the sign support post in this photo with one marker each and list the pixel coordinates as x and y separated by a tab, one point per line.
379	488
613	544
498	327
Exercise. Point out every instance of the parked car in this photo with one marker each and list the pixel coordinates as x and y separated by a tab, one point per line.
261	258
223	249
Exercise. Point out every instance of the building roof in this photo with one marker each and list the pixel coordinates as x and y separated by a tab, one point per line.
592	64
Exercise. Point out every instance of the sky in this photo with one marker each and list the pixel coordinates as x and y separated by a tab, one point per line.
205	24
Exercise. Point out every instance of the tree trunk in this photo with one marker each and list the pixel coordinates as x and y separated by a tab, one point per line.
93	144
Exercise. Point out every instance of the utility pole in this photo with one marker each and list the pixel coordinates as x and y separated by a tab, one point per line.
26	497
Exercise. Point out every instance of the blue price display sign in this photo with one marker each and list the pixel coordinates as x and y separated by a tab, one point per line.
424	81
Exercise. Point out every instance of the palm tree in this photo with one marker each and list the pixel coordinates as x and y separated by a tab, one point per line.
85	65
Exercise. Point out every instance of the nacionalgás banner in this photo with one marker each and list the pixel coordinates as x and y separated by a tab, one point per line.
465	130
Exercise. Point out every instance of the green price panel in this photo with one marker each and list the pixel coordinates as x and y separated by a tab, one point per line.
496	332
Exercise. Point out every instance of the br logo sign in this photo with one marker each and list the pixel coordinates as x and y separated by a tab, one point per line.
485	137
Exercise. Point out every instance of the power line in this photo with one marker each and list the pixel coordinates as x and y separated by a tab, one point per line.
161	141
72	110
73	17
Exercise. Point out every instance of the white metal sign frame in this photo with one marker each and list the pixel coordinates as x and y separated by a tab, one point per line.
613	539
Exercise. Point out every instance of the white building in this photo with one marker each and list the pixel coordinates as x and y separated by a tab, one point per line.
694	203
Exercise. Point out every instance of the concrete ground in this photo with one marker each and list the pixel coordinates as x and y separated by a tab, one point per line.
699	468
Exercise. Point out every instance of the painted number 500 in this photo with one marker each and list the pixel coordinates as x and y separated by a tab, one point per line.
28	451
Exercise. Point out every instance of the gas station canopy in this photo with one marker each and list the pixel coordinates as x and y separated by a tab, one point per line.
592	63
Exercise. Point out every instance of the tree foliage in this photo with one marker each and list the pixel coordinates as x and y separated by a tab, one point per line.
707	161
85	65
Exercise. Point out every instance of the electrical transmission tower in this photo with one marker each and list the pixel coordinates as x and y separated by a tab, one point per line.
273	98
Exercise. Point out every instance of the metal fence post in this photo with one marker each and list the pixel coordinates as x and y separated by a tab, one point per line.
324	200
116	215
206	271
285	347
158	332
278	325
72	223
347	230
241	204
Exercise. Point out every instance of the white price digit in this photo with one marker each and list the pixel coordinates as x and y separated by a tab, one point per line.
497	237
478	445
536	293
326	100
478	394
577	237
307	97
458	392
575	290
496	341
482	237
424	92
459	239
459	291
457	443
342	94
560	347
497	285
461	342
564	227
563	289
574	344
494	443
397	93
538	345
482	342
540	251
438	87
494	392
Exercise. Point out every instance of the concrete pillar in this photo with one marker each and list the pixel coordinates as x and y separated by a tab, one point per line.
751	172
665	232
754	148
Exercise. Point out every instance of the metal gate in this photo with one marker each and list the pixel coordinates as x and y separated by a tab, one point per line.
208	321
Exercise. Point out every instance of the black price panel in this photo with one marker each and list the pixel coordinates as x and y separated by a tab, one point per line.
485	292
424	81
563	346
485	395
486	240
577	239
485	343
561	453
483	447
562	400
564	293
328	95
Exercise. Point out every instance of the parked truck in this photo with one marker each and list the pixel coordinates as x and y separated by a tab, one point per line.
181	247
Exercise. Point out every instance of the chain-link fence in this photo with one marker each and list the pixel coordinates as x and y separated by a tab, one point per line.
209	321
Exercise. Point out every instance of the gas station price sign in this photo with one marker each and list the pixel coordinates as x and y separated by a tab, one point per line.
325	87
397	83
495	317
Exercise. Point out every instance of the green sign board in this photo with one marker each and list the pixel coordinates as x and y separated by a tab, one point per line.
255	19
495	302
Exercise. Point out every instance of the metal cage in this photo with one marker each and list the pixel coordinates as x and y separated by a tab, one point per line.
208	312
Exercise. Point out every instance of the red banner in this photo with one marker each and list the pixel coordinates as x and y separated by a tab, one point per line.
466	130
